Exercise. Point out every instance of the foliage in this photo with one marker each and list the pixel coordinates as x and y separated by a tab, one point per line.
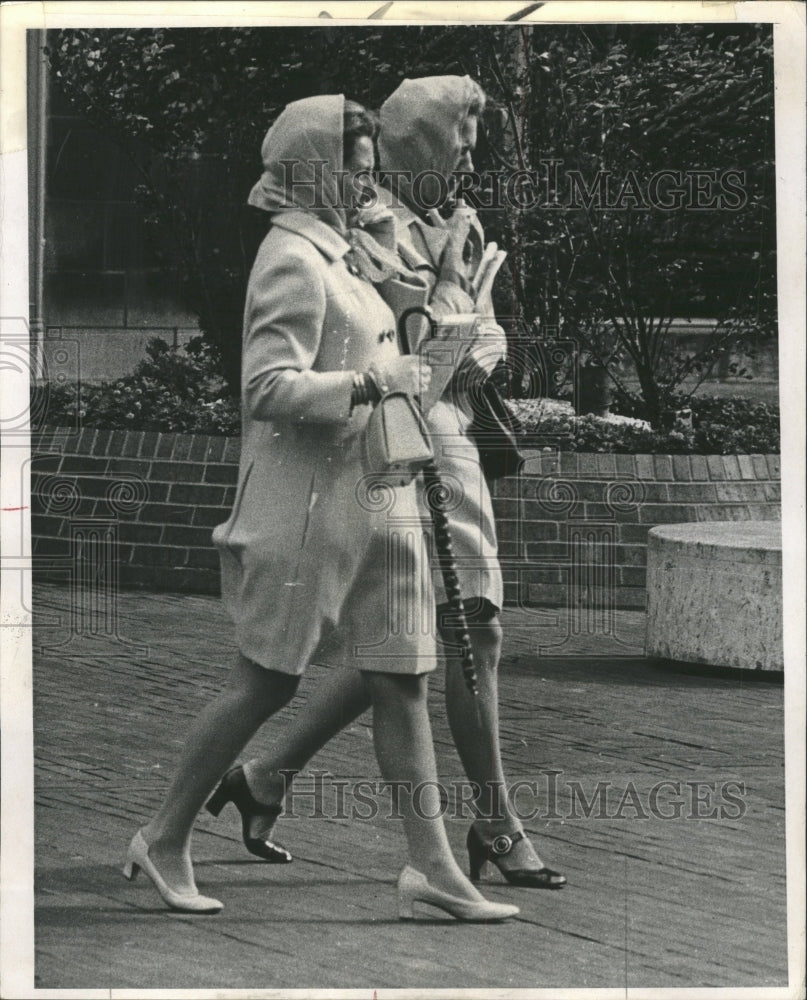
603	265
192	105
172	389
729	426
179	389
719	427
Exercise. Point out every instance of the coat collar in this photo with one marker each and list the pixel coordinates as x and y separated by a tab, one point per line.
324	237
433	239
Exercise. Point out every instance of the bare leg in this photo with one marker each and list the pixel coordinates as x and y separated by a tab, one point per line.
251	696
405	751
338	698
341	696
474	725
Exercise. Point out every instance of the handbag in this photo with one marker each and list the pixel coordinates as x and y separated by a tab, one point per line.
397	442
495	431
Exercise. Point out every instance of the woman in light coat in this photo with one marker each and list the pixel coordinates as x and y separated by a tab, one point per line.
307	546
430	124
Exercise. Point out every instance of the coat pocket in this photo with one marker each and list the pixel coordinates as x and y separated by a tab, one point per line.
221	534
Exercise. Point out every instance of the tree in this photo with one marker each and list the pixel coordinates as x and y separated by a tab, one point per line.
192	105
610	257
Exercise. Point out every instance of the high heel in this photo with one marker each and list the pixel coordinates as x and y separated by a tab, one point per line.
137	858
233	788
413	886
480	851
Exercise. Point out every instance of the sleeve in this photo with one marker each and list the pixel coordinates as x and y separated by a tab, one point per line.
448	298
490	346
286	305
490	343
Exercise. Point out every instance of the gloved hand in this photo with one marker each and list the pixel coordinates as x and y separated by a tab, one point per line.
492	260
459	229
466	230
379	222
404	374
489	347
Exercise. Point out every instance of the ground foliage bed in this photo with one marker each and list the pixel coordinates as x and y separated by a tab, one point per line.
181	390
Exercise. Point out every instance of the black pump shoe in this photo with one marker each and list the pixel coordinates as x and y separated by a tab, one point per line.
480	851
233	788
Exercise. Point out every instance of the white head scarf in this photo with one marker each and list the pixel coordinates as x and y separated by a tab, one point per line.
300	153
420	128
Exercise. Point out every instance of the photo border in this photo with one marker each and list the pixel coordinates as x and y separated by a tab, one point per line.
16	861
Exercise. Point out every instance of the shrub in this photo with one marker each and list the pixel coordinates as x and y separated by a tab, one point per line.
172	389
179	389
732	426
719	427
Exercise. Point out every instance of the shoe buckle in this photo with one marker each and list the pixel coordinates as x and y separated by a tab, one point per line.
502	844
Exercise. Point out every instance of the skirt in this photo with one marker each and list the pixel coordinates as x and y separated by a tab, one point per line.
469	509
360	582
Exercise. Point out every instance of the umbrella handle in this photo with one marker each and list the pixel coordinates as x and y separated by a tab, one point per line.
435	493
403	322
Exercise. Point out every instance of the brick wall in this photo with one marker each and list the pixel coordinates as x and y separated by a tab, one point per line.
572	525
159	494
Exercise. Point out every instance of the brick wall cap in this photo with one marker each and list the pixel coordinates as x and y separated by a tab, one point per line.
652	466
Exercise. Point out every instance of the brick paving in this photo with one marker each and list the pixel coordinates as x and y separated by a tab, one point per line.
692	901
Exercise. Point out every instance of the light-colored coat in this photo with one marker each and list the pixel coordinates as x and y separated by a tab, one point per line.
473	528
303	543
421	126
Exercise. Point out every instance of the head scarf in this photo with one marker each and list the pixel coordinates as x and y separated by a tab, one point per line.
300	153
420	129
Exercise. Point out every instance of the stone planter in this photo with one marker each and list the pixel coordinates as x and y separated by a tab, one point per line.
714	594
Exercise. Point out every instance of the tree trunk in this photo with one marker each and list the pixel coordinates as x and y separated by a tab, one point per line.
594	395
516	47
650	395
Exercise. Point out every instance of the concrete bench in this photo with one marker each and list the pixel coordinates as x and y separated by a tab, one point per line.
714	593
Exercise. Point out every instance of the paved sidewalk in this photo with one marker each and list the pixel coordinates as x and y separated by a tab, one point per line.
697	900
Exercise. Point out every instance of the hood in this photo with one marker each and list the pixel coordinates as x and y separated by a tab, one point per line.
420	129
306	131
